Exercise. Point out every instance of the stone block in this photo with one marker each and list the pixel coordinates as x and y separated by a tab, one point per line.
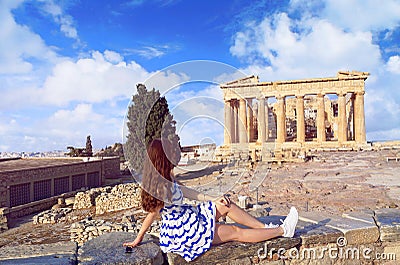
226	253
108	249
316	233
58	253
388	221
310	232
355	231
365	216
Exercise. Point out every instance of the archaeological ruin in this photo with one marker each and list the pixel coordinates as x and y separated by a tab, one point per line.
35	184
284	120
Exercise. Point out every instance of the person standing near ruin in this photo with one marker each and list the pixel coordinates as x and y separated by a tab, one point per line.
191	230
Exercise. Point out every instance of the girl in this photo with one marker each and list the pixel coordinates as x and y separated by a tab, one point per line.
191	230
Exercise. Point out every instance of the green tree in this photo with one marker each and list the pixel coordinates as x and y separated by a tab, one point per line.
149	118
89	148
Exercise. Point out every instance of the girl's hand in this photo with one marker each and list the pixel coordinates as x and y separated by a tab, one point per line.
224	200
134	243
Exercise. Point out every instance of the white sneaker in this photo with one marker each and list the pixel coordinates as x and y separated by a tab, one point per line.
271	225
290	222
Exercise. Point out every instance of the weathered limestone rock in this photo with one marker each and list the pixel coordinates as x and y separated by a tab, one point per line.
392	251
241	253
354	231
108	249
366	216
317	233
310	232
388	221
62	253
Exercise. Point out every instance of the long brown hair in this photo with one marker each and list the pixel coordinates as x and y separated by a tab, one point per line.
156	179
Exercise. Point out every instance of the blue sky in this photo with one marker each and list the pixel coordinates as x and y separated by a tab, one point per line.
69	68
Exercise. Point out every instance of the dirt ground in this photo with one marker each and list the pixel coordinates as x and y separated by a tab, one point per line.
332	182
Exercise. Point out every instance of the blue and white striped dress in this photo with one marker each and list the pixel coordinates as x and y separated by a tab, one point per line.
186	229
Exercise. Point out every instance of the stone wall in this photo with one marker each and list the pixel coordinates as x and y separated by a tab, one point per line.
109	199
111	167
32	207
50	169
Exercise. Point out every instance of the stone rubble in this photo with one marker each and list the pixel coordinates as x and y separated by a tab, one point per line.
89	228
3	220
109	199
51	216
120	197
87	199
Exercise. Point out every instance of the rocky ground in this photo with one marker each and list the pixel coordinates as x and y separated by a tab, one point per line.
332	182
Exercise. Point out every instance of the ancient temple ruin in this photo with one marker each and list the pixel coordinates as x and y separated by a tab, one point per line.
289	118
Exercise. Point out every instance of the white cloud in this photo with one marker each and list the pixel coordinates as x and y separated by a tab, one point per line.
101	77
82	113
198	113
352	15
150	52
19	44
65	21
326	38
70	127
165	80
113	57
393	64
316	48
363	15
190	133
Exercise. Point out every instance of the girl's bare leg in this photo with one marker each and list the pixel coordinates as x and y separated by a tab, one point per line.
225	233
238	215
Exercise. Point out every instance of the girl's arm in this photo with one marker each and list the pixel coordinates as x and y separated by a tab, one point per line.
145	226
198	196
194	194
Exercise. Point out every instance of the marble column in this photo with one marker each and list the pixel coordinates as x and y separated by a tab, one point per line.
342	121
250	129
359	118
234	121
227	122
321	135
301	127
266	119
281	120
261	120
242	121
